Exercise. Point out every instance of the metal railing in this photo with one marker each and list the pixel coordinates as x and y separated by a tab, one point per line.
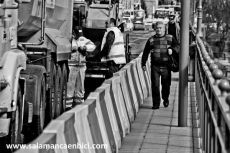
213	101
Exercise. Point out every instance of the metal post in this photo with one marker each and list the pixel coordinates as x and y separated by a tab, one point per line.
183	67
199	19
194	11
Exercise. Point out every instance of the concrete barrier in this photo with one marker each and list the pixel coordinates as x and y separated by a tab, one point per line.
146	75
129	105
112	118
63	127
130	85
94	125
43	139
82	127
104	118
136	83
141	76
119	105
147	80
104	121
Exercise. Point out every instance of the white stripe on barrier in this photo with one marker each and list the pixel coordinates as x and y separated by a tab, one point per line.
137	85
104	123
124	88
82	127
113	121
141	76
119	101
63	127
130	85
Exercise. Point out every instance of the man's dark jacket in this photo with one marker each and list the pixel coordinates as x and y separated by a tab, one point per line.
158	46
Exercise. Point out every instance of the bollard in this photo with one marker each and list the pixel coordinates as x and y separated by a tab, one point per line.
217	74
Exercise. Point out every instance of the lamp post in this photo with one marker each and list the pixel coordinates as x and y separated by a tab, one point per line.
183	67
199	19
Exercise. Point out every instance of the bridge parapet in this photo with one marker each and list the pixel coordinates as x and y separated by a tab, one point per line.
213	100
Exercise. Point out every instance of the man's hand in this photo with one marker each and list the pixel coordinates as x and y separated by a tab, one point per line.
144	68
170	51
83	47
82	50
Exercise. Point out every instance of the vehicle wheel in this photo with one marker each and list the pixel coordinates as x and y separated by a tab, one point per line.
14	136
64	81
51	99
58	103
39	121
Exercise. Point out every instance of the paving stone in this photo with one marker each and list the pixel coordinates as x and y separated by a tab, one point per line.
181	131
180	141
175	149
132	142
128	151
156	139
161	121
130	146
156	135
160	150
158	129
139	127
164	114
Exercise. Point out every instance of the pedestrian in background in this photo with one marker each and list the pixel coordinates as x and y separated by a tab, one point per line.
174	27
75	86
160	45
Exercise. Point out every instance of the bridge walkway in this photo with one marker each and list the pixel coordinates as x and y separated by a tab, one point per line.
157	131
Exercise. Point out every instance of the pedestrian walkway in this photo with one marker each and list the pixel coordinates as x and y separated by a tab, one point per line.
157	131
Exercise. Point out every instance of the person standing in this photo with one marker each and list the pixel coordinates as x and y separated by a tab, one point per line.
112	48
160	45
174	27
75	86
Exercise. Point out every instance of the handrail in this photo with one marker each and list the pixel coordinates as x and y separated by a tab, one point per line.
213	102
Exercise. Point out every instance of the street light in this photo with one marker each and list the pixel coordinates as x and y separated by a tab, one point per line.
199	19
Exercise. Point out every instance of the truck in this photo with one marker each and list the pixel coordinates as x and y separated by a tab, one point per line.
139	17
35	47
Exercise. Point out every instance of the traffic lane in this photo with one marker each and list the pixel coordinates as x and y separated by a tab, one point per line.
137	41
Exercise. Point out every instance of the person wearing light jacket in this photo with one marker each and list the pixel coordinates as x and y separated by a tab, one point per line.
75	87
112	48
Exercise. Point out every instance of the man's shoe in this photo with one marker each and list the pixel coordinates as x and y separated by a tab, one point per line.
166	103
155	107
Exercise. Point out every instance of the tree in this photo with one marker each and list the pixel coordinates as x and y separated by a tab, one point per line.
216	13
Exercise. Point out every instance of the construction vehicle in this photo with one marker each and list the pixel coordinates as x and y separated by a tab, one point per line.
139	17
127	19
34	52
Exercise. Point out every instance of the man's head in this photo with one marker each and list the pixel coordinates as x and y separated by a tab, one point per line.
111	23
160	28
171	18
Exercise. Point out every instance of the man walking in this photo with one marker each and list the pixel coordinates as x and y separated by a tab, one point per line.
174	27
160	46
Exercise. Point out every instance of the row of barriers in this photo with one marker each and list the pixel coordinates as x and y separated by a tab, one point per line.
211	93
102	121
